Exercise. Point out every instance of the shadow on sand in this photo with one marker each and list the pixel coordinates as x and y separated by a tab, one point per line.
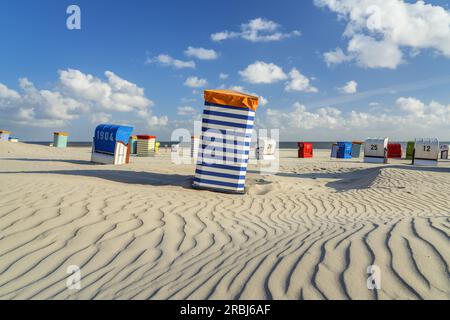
343	181
123	176
356	178
364	178
51	160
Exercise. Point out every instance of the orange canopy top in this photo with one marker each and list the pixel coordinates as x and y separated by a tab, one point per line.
231	98
4	131
61	133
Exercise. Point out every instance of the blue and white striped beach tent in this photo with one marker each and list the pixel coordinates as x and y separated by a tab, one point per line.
224	148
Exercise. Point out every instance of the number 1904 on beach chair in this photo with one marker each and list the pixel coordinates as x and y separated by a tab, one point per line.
111	144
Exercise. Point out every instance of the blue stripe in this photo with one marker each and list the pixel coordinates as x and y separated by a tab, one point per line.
228	115
222	166
232	133
229	140
224	149
220	175
222	159
228	124
227	107
230	143
220	183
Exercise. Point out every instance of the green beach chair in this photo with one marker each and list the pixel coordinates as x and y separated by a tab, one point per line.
410	150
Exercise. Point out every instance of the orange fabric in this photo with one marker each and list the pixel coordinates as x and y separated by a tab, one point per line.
127	159
231	98
61	133
4	131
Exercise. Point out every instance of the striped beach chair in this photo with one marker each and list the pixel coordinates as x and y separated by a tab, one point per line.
145	145
111	144
375	150
60	139
227	128
265	149
133	144
426	152
4	135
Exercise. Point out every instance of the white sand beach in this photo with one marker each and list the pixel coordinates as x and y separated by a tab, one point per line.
139	231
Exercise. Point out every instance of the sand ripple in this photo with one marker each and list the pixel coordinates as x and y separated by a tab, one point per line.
290	238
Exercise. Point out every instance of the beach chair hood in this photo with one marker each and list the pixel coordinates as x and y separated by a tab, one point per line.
107	135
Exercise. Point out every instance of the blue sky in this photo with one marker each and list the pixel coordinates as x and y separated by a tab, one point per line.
389	77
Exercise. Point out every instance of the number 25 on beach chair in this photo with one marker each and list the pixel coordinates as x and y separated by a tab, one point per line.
375	150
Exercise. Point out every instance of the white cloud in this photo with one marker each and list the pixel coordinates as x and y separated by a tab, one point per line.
151	120
195	82
6	93
298	82
336	57
114	94
300	117
383	91
201	53
372	53
262	72
350	87
166	60
237	88
76	94
26	114
409	118
379	31
256	30
223	76
186	111
101	117
262	101
52	106
411	106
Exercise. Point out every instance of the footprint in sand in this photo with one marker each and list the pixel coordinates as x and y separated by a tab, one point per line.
260	187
